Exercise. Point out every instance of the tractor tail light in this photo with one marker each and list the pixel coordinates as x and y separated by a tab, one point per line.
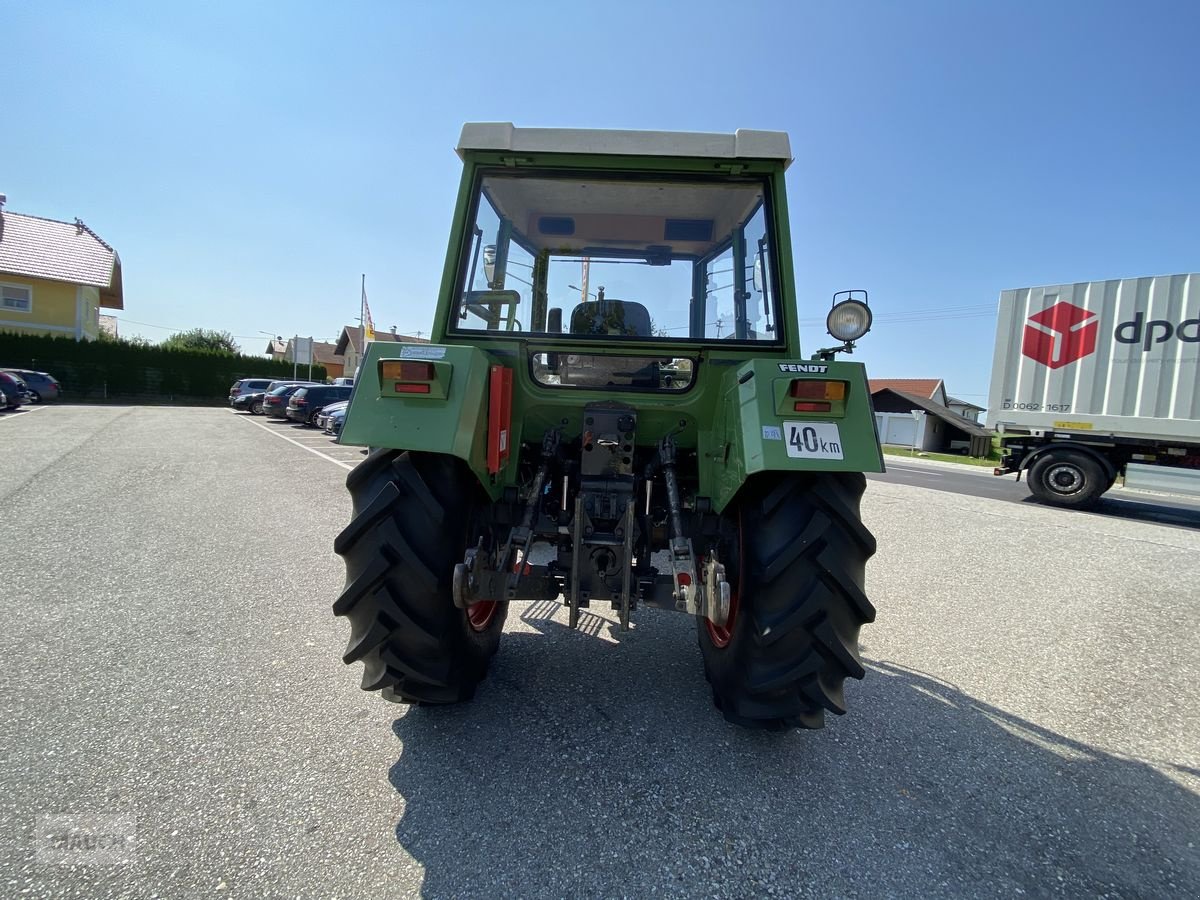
406	370
817	389
813	406
410	377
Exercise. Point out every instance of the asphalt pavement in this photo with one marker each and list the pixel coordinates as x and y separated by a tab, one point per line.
978	481
1029	724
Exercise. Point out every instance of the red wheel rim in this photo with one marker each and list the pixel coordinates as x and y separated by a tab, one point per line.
480	615
721	635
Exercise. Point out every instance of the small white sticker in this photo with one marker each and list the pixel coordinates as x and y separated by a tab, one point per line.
503	440
813	440
772	433
417	351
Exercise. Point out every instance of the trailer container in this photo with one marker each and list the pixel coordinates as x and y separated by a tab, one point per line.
1097	380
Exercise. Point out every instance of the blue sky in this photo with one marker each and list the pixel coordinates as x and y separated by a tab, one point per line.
250	161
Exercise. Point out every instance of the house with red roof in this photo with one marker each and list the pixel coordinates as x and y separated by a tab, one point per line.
917	413
55	277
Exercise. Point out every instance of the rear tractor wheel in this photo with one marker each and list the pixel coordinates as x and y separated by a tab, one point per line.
795	556
414	515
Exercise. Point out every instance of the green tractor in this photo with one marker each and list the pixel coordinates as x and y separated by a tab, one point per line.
613	409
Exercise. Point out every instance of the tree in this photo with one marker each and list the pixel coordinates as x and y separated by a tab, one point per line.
136	341
202	339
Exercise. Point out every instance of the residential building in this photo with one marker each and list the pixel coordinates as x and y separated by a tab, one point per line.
324	354
913	412
277	348
55	277
350	345
927	388
965	409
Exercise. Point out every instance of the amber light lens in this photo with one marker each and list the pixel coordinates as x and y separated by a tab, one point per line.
815	389
408	371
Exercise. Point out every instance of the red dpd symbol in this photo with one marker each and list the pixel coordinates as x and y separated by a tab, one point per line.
1060	334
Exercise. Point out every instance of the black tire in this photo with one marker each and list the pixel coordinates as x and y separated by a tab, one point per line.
312	418
797	580
412	520
1069	479
35	397
256	408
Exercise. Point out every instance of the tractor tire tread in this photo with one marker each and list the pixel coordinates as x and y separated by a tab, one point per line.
797	638
407	532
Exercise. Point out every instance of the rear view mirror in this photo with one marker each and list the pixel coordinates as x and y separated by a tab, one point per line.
554	320
760	278
489	263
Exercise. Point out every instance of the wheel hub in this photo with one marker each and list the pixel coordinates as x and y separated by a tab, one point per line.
1064	479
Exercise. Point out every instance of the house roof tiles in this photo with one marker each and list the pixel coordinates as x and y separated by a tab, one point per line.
921	387
34	247
352	338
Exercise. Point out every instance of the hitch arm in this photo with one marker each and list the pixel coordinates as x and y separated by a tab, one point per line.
688	591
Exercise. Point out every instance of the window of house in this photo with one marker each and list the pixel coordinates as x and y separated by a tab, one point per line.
16	298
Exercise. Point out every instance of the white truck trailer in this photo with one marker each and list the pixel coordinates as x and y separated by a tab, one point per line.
1098	380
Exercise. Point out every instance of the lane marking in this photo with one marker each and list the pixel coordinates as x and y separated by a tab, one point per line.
284	437
8	414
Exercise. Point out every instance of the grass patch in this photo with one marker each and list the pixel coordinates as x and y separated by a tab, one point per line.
989	461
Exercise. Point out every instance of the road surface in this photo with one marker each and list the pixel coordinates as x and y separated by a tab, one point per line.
1029	724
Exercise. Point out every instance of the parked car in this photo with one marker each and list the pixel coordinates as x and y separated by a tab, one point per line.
280	382
275	402
251	403
344	382
336	418
306	403
42	385
14	389
323	416
247	386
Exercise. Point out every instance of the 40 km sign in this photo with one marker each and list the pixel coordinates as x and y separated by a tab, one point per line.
813	440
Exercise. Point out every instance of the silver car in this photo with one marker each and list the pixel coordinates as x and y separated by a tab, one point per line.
42	386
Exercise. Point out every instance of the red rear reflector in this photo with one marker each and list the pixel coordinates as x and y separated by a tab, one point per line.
499	417
812	406
685	579
412	389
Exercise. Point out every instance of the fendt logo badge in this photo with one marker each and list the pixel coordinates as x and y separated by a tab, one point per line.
1060	334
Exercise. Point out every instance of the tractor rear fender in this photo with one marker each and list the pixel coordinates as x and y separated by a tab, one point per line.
788	416
436	403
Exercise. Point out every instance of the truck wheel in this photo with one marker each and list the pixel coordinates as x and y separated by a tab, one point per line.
413	517
797	552
1069	479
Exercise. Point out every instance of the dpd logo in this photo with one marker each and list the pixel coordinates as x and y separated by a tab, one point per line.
1060	334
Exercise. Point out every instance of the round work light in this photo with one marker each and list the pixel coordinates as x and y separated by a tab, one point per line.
849	320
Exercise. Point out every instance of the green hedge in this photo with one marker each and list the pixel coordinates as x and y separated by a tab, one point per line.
112	370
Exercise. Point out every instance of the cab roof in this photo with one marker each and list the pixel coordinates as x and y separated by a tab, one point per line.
742	144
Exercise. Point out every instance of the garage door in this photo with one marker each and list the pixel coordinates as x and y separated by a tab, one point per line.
901	430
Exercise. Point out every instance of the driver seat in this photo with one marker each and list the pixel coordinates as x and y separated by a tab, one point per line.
611	317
